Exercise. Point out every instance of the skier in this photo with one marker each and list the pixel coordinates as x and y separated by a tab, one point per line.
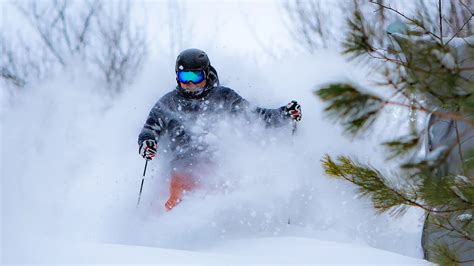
187	113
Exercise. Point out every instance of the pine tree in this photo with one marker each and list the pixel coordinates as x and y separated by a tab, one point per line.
428	65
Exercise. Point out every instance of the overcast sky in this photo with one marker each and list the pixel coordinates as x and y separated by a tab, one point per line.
243	27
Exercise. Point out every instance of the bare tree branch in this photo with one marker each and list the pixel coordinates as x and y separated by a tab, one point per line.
412	20
105	38
460	29
440	13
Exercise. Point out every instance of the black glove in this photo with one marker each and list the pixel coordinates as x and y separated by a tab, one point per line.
148	149
293	110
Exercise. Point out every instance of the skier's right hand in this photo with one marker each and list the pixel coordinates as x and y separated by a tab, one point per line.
148	149
293	110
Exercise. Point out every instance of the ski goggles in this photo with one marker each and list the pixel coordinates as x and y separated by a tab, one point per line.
191	76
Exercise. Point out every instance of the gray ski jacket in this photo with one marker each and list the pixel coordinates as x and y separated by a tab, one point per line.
185	117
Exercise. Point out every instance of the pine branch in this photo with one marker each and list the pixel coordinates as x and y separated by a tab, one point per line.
444	255
425	67
371	183
384	195
437	192
402	146
357	110
359	39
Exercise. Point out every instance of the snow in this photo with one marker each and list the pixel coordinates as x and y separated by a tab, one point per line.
70	175
464	217
292	250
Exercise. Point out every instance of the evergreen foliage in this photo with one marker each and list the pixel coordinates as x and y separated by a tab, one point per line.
429	67
370	182
356	109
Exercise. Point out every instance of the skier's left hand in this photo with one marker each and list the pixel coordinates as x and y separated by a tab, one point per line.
293	110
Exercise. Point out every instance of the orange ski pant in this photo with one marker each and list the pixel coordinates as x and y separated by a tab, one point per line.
180	184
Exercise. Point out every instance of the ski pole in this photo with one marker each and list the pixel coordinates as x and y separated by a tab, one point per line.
141	186
293	132
295	126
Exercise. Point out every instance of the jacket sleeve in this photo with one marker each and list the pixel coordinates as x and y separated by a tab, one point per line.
271	117
155	124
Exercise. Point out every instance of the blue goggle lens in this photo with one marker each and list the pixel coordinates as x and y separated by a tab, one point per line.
191	76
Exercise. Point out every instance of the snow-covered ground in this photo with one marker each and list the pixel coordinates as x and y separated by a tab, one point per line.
288	250
71	174
70	171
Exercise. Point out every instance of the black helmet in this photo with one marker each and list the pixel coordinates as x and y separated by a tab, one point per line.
191	60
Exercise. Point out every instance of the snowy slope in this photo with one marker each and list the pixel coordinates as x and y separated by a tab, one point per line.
71	171
248	251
